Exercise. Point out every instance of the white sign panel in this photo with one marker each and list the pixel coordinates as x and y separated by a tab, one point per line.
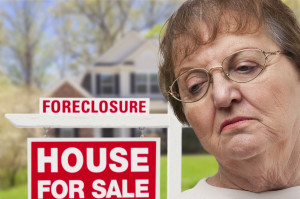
94	105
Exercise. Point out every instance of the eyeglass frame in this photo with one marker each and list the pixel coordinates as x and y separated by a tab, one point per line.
266	54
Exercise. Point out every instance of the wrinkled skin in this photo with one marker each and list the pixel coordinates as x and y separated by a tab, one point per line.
262	153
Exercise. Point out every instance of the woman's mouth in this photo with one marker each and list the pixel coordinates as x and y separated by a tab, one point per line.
233	123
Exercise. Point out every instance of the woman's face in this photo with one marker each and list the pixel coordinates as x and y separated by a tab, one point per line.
243	120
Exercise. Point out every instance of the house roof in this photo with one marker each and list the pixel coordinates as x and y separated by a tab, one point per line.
147	45
124	52
72	87
120	50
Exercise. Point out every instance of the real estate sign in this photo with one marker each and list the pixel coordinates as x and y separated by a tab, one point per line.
93	168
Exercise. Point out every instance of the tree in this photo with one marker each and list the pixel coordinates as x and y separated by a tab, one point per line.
14	99
155	32
87	28
12	157
295	6
23	29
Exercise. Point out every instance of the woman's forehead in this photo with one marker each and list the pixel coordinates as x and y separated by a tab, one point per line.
224	45
202	33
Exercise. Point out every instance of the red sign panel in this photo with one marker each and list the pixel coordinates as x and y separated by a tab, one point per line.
94	168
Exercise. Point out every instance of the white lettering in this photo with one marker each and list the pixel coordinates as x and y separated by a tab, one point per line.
65	160
52	159
96	187
42	188
135	160
113	189
125	190
64	189
90	160
123	161
139	188
78	189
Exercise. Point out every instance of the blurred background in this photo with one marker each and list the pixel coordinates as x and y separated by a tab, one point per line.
84	48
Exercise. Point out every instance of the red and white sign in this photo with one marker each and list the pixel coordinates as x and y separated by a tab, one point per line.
94	105
93	168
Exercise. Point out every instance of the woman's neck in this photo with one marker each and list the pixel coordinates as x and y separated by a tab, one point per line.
272	170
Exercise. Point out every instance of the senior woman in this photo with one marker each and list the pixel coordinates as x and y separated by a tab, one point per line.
231	70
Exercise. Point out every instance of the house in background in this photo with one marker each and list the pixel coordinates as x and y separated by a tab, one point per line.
127	70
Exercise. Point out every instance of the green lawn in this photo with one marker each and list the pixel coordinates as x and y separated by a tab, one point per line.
194	167
19	192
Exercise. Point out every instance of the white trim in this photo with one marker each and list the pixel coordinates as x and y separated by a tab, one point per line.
174	164
29	167
87	120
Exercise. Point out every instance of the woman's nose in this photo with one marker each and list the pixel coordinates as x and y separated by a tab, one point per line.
224	91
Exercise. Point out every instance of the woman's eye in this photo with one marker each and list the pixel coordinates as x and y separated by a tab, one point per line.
194	83
246	68
194	89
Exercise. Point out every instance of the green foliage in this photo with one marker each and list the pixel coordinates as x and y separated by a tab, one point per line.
14	99
154	32
20	179
21	40
88	28
295	6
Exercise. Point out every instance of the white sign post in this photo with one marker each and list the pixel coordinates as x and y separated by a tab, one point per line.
73	120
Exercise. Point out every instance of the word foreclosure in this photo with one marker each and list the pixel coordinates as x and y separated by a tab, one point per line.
94	105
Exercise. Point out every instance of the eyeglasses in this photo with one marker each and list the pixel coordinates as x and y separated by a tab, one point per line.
241	67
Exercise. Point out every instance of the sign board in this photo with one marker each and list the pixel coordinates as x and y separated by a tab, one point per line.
93	168
94	106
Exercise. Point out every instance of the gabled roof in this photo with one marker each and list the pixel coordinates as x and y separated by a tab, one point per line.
147	45
123	52
120	50
72	86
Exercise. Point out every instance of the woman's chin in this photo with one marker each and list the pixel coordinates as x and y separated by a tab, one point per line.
242	146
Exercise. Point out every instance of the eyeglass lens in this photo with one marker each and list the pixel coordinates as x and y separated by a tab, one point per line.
242	66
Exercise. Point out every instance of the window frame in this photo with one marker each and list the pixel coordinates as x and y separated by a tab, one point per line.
110	85
148	84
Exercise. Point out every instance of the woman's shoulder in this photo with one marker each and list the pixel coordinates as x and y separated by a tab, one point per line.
205	191
194	192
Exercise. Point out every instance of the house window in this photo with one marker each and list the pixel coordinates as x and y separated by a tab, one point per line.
107	84
144	83
141	83
153	84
